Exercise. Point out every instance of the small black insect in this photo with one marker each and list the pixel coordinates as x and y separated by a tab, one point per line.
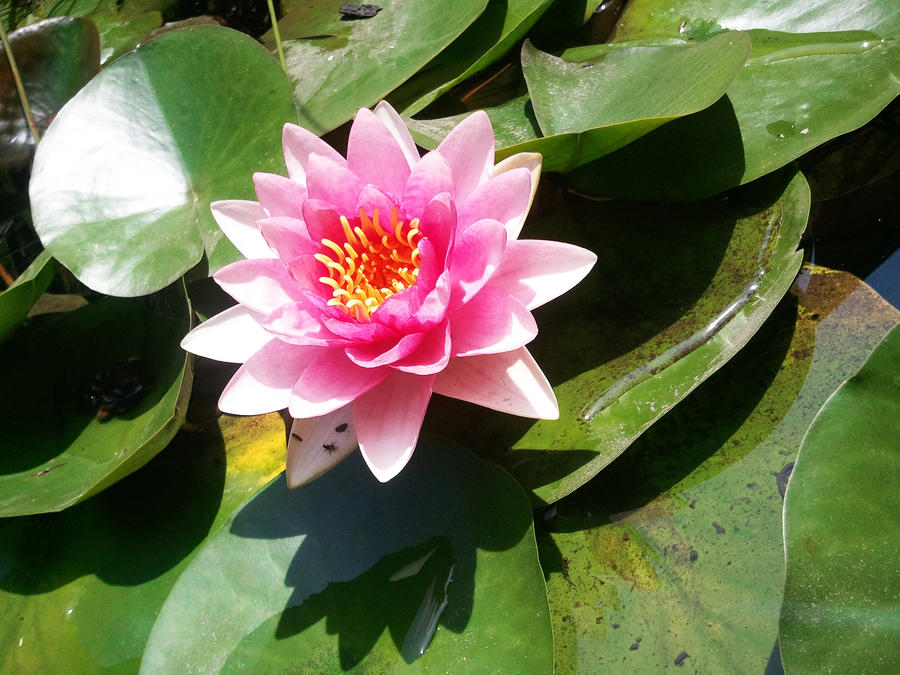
329	447
117	389
296	437
340	428
350	11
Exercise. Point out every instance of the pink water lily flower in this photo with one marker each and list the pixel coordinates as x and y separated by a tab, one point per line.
373	281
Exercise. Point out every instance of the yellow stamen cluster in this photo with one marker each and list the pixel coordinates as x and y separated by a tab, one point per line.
372	263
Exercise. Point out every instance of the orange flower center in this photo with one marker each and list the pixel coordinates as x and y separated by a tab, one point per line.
371	264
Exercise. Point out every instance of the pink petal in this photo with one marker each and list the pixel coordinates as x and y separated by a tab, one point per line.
477	252
429	178
469	149
523	160
358	332
438	224
261	285
278	195
401	134
322	221
535	271
237	218
491	322
505	199
416	309
330	382
287	237
374	355
510	382
233	336
334	183
388	420
306	272
374	155
299	144
299	324
264	383
372	199
431	356
315	445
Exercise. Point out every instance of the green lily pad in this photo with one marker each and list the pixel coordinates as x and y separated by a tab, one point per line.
500	26
673	555
349	574
337	66
95	576
814	73
841	532
124	177
594	100
676	292
56	449
55	58
18	299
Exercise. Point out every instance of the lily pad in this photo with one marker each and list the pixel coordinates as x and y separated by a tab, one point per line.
92	579
18	299
55	58
676	292
57	448
124	177
673	555
841	532
814	73
347	573
337	66
595	100
500	26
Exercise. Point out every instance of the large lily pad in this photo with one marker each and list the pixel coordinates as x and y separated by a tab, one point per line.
674	295
18	299
594	100
814	73
337	66
840	523
349	574
55	58
56	451
501	25
673	554
124	177
90	581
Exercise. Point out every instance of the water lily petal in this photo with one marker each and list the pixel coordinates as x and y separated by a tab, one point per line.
330	382
322	221
511	382
278	195
430	177
264	383
372	199
374	155
287	237
505	198
388	420
263	285
523	160
477	252
374	355
237	218
318	444
333	182
431	356
358	332
491	322
469	148
300	324
232	336
394	123
299	144
535	271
